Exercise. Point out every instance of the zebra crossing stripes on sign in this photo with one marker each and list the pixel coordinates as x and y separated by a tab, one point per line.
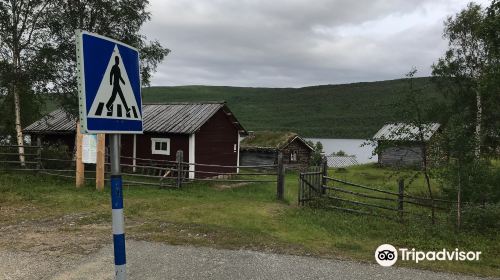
109	85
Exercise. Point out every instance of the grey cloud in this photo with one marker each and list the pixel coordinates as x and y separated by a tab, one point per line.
292	43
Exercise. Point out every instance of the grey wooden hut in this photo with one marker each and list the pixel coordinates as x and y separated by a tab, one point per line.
400	144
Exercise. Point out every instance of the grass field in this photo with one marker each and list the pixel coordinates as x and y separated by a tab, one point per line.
330	111
244	216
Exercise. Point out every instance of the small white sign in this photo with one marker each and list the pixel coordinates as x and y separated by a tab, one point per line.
89	148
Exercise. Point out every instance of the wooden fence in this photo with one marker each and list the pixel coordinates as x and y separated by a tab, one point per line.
317	186
149	172
9	157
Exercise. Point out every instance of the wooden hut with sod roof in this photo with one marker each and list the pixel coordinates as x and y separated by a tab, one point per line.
262	148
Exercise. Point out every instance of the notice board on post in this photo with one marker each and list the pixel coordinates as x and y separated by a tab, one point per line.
89	148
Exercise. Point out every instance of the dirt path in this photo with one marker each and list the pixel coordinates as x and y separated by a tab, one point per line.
59	236
149	260
67	248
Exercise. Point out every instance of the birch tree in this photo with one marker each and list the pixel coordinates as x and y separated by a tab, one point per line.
23	37
37	46
466	63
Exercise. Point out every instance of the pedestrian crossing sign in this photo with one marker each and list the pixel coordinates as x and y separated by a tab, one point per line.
109	85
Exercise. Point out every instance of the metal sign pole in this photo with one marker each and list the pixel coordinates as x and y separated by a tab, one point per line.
109	97
117	208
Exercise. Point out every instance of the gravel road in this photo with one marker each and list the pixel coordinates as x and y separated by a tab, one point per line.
147	260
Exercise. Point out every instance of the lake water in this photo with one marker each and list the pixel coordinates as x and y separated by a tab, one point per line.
350	146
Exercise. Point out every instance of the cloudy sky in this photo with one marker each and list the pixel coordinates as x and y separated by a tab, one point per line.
294	43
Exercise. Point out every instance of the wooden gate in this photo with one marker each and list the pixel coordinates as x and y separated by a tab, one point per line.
310	184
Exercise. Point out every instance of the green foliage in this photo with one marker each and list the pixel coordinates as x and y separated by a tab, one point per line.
317	155
356	110
491	92
56	151
31	110
469	73
478	181
481	217
24	45
121	20
37	49
340	153
417	129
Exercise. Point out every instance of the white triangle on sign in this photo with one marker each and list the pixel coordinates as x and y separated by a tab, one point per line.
113	84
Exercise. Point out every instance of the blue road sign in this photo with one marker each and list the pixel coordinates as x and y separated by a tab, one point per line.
109	85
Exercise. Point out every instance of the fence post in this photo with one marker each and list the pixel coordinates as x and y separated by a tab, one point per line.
325	174
39	153
299	198
80	167
179	156
280	188
401	184
99	166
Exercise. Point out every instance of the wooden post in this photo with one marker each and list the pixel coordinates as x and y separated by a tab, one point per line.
134	154
401	185
280	188
80	167
325	174
99	166
179	156
459	199
39	152
300	189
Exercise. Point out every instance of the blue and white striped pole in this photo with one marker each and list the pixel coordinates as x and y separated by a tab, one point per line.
117	208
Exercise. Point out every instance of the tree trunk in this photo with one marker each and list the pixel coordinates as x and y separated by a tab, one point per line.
459	201
17	112
19	131
427	180
479	112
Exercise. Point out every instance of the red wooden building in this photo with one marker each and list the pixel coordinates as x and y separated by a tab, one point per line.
206	132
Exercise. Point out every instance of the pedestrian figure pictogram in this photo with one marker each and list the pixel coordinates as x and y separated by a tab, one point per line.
115	78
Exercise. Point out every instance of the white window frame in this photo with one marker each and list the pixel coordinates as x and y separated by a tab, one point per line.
293	156
154	151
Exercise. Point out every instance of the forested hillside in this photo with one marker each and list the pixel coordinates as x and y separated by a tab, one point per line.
355	110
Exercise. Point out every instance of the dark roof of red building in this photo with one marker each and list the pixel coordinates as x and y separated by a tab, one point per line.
180	118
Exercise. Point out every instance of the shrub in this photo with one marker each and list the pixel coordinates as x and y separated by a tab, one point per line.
341	153
56	152
478	181
317	155
481	218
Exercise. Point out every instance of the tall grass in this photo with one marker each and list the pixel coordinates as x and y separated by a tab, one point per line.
245	216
